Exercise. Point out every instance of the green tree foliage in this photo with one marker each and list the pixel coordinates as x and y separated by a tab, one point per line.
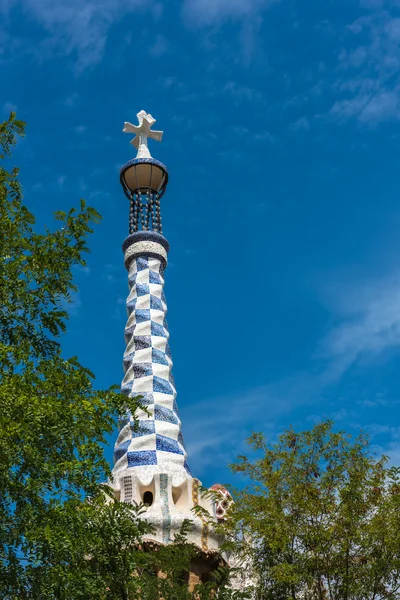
320	518
53	421
54	544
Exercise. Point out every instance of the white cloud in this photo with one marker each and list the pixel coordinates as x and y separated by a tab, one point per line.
76	26
157	11
208	12
374	4
372	108
200	14
159	46
243	93
392	450
368	325
302	124
215	428
82	27
169	82
369	66
366	318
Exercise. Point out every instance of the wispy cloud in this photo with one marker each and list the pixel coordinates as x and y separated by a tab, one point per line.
242	93
81	28
212	14
76	26
159	46
302	124
366	323
209	12
215	428
369	82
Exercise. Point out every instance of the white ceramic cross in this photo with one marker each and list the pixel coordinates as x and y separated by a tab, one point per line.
143	132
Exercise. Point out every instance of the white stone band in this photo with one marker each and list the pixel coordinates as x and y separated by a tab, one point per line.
145	248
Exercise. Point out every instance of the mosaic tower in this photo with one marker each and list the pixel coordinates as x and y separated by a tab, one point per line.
150	457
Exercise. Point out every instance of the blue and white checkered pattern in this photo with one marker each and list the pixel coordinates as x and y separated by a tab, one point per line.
157	439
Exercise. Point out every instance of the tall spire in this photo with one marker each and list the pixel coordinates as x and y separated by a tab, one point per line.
150	456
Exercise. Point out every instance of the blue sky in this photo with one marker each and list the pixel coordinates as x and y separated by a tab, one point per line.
282	139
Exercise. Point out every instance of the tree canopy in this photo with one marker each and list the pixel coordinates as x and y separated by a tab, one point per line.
319	518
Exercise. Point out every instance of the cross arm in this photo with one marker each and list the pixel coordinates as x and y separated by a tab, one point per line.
129	128
156	135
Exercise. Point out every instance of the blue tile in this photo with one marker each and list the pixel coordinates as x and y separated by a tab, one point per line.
142	370
161	413
142	289
155	278
175	407
143	428
128	332
162	385
142	315
132	278
146	398
142	457
142	263
168	351
185	464
157	330
128	358
142	341
130	306
180	439
155	303
121	450
167	444
158	357
126	388
127	393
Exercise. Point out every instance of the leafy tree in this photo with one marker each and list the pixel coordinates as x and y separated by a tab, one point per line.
54	544
320	518
53	421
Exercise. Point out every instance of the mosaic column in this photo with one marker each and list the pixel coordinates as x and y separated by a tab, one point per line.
157	438
150	466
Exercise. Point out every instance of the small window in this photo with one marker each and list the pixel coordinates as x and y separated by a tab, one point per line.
176	494
148	498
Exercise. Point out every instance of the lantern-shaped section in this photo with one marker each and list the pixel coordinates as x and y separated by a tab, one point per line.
143	175
144	179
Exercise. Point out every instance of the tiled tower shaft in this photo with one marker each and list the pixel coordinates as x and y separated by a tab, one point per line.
150	467
156	440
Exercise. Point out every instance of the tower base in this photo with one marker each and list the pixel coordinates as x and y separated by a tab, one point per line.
171	498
